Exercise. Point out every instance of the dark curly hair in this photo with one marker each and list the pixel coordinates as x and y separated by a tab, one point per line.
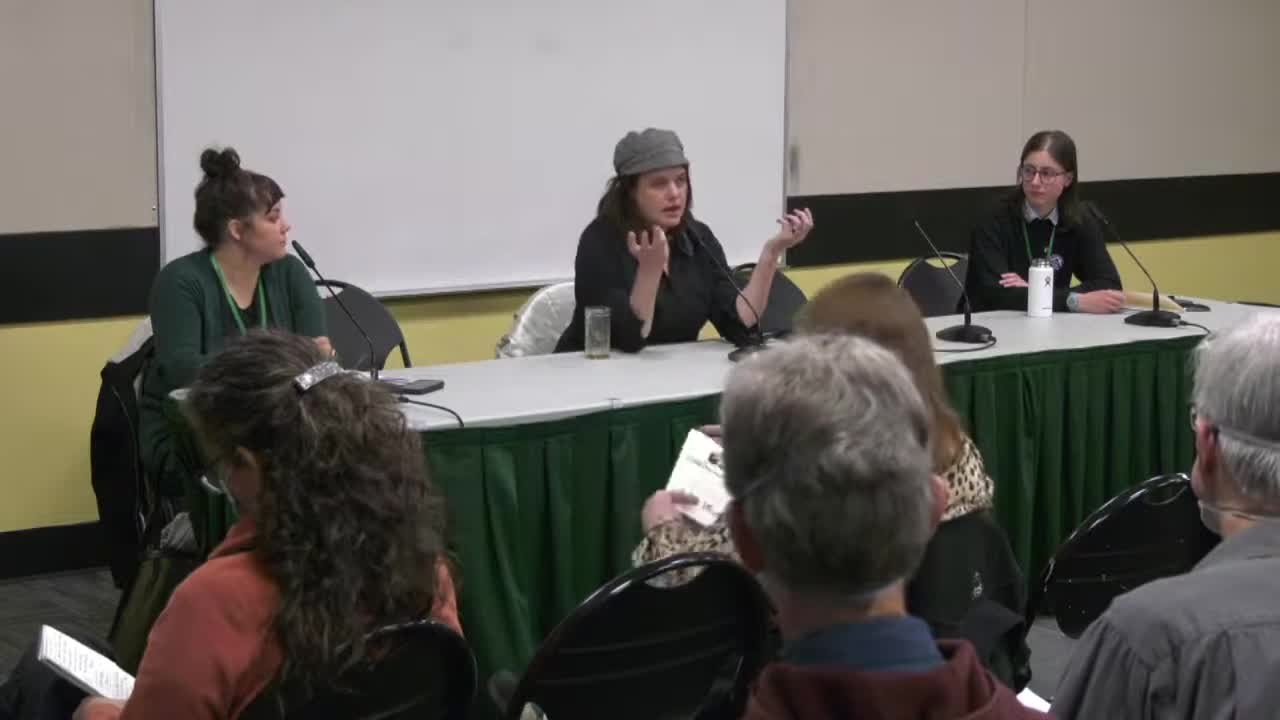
229	192
349	524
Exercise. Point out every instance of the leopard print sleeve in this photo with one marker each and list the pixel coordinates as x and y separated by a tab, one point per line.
969	486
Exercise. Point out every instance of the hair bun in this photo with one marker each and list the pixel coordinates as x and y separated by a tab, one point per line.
219	163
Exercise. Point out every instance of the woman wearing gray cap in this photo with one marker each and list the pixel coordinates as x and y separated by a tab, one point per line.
661	273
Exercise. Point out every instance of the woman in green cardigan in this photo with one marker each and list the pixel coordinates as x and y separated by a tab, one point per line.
244	278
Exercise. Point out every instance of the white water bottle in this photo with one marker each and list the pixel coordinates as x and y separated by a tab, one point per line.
1040	288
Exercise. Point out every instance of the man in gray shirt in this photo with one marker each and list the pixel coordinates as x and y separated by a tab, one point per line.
1205	644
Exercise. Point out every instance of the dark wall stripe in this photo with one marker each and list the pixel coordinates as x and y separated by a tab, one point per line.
866	227
77	274
51	549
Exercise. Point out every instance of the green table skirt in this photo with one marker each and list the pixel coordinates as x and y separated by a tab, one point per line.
543	514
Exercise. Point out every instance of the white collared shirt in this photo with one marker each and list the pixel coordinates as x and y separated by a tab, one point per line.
1030	215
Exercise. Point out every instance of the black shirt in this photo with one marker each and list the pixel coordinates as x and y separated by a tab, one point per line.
694	290
248	316
997	246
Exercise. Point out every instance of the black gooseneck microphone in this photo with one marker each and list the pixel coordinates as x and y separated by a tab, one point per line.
755	340
311	264
968	332
408	387
1155	317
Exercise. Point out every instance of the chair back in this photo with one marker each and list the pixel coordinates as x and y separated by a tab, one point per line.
539	323
1145	533
785	300
634	649
931	286
423	669
373	316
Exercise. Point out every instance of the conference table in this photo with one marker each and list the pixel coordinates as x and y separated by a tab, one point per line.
546	480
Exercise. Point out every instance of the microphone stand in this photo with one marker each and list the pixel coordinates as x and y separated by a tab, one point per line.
968	332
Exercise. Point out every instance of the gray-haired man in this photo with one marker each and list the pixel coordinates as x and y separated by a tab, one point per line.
1206	644
826	454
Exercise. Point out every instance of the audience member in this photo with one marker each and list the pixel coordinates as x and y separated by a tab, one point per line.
1205	644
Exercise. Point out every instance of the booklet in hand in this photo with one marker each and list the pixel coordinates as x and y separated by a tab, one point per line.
83	666
699	472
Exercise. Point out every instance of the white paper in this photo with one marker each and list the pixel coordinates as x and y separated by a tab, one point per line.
87	668
1029	699
699	472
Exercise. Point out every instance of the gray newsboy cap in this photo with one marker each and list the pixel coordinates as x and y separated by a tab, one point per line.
649	149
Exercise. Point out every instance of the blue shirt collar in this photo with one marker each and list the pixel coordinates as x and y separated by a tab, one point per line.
902	644
1030	215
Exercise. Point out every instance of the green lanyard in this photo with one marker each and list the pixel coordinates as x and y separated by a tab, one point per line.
231	301
1027	239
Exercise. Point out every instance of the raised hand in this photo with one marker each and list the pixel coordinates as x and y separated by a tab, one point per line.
793	228
649	248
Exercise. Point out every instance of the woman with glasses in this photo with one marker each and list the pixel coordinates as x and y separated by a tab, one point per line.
1043	218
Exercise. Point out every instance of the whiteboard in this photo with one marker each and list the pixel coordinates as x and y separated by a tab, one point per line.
434	147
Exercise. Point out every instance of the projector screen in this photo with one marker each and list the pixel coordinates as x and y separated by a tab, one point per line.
440	147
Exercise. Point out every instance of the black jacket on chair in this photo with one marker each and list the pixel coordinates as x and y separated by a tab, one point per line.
969	586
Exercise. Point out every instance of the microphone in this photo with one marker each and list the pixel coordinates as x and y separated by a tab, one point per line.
311	264
755	343
405	387
968	332
1155	317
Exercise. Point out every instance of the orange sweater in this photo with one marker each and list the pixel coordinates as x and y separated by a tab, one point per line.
213	650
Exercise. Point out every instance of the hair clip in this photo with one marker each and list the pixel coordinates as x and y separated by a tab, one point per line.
316	375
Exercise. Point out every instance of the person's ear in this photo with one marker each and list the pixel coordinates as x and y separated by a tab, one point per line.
1207	450
236	229
744	540
1067	179
941	496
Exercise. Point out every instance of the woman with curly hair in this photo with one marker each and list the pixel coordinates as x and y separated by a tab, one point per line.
340	531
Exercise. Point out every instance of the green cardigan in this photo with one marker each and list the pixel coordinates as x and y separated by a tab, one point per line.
190	322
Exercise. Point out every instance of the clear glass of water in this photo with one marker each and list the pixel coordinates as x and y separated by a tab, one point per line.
597	331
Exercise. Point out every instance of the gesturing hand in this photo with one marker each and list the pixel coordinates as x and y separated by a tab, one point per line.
649	248
794	228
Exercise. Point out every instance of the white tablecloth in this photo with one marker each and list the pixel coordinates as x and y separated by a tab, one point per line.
495	393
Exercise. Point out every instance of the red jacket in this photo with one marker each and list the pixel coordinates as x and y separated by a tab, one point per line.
961	688
213	650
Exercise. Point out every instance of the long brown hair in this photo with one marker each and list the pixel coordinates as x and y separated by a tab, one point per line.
871	305
349	525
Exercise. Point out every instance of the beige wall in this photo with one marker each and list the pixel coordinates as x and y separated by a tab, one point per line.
908	95
77	115
75	78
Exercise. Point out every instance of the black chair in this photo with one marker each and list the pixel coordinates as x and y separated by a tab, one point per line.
636	650
1145	533
932	287
352	349
423	669
785	300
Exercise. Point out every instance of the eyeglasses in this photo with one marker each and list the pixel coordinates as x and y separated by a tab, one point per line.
1047	174
214	477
